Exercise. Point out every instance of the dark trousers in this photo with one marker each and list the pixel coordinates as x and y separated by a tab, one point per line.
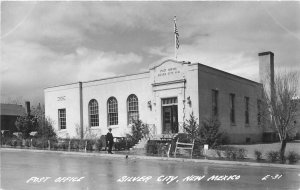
110	145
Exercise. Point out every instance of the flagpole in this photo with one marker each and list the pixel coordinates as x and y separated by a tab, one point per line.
175	39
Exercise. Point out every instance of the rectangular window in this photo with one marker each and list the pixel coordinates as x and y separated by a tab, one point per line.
232	108
258	112
246	110
62	118
215	103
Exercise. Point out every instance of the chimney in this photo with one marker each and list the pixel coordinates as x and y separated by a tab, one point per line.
266	71
27	104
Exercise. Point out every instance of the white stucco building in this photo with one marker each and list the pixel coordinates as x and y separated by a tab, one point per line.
163	97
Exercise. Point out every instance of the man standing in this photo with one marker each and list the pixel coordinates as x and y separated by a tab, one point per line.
110	140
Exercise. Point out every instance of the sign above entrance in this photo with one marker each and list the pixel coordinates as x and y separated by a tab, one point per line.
169	70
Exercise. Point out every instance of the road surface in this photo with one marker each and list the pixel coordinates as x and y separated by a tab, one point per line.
33	170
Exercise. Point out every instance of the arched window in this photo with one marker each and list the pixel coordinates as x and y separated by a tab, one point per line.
112	109
93	113
132	108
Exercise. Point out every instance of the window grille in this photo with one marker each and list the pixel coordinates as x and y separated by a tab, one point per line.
132	108
93	113
112	105
62	118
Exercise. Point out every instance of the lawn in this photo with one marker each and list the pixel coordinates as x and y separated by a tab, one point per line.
264	148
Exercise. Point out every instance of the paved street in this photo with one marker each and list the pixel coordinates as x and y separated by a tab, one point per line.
24	170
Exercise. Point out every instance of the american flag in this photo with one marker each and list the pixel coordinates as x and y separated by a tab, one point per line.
176	33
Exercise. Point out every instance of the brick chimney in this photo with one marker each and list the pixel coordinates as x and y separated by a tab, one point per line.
266	70
27	104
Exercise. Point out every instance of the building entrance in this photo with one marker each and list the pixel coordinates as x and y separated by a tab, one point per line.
170	115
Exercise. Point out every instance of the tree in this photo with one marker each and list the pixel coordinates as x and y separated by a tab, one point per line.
26	124
139	130
36	121
44	128
191	127
209	133
282	106
206	133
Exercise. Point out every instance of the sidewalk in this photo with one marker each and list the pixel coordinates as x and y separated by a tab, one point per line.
122	155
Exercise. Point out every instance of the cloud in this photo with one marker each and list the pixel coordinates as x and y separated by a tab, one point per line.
50	43
29	67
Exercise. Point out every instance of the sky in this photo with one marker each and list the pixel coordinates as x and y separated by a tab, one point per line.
51	43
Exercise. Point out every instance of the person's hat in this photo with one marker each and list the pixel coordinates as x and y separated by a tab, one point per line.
109	129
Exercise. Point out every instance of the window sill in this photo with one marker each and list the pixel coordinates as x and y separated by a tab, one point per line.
113	126
95	127
62	130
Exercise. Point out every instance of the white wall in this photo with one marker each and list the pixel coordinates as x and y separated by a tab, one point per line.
120	88
66	96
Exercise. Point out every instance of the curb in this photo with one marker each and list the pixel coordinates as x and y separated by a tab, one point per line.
118	156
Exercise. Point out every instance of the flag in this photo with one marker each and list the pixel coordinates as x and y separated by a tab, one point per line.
176	34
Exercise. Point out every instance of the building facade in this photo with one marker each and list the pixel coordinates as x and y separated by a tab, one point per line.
163	97
9	114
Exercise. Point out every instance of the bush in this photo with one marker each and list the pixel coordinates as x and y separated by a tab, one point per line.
293	157
152	147
241	153
273	156
258	155
27	143
191	127
26	124
231	153
45	129
219	153
209	133
40	143
121	144
89	145
99	145
139	130
75	144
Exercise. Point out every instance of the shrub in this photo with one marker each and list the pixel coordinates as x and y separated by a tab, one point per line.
75	144
26	124
293	157
219	153
258	155
139	130
99	145
273	156
89	145
152	147
45	129
18	142
209	133
27	143
231	153
40	143
241	153
121	144
191	127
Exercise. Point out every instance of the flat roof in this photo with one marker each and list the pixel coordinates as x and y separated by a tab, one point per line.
183	62
224	72
12	109
107	78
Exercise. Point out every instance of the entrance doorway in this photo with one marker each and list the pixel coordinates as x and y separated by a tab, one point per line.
170	115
